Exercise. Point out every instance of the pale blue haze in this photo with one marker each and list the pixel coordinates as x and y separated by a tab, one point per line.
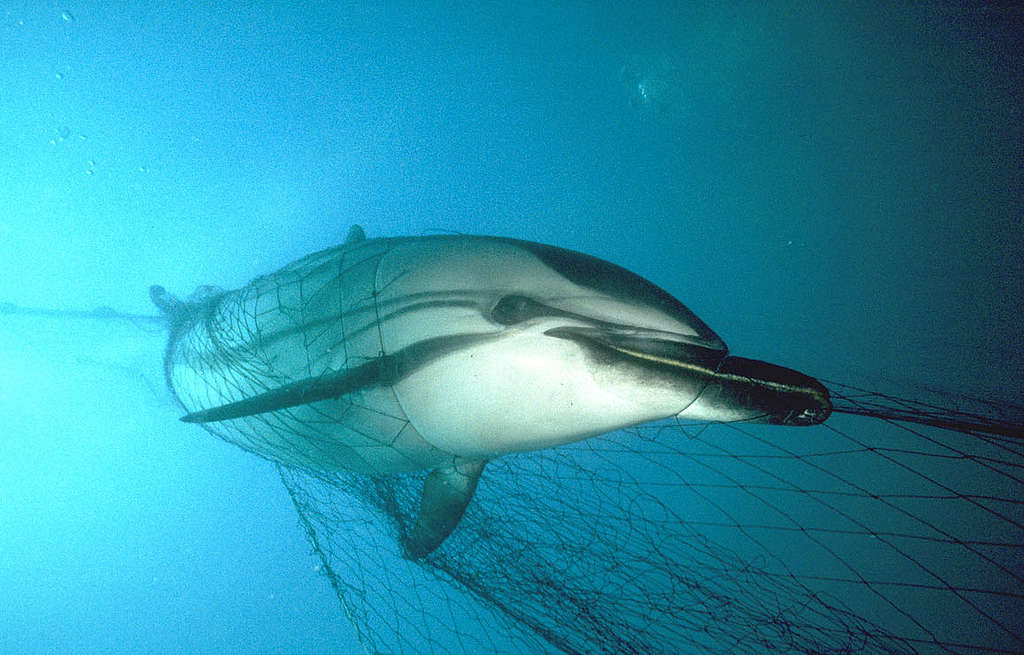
836	187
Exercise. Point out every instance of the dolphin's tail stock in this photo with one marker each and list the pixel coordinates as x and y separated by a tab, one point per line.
171	307
179	313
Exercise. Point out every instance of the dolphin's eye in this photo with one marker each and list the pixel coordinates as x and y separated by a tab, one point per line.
516	309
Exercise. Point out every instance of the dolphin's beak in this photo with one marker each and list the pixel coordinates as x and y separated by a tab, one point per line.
734	388
782	395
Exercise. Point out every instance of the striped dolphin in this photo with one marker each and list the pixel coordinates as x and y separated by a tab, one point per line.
439	353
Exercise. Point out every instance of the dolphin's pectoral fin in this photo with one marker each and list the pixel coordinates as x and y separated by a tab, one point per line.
446	493
355	234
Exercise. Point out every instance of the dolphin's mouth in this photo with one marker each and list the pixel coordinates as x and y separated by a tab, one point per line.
648	344
651	345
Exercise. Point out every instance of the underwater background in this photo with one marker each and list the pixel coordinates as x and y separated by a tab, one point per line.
830	186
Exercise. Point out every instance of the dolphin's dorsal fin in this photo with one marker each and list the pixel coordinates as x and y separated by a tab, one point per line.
355	235
446	493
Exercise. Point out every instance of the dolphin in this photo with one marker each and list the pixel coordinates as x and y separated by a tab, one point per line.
439	353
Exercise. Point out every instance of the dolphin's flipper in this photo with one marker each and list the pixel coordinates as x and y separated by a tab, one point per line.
446	493
355	235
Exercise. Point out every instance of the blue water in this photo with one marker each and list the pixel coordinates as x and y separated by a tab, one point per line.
837	189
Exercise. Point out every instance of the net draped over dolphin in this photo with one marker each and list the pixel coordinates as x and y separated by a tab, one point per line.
441	353
392	380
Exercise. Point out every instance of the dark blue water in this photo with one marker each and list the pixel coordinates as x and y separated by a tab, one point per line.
837	189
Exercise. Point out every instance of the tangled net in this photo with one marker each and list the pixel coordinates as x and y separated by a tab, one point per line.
862	535
851	537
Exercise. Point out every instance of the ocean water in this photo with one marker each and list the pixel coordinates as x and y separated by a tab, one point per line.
837	189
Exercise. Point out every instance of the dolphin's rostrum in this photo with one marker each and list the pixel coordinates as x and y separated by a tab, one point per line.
439	353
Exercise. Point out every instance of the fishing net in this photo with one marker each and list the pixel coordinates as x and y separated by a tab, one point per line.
858	536
862	535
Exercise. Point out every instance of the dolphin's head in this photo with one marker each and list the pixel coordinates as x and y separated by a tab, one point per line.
563	346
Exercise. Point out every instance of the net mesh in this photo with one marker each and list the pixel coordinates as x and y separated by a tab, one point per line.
858	536
843	538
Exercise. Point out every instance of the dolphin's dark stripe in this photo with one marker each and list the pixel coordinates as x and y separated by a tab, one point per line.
384	370
615	281
271	338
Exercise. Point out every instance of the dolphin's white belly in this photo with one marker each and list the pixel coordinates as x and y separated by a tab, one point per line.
519	393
